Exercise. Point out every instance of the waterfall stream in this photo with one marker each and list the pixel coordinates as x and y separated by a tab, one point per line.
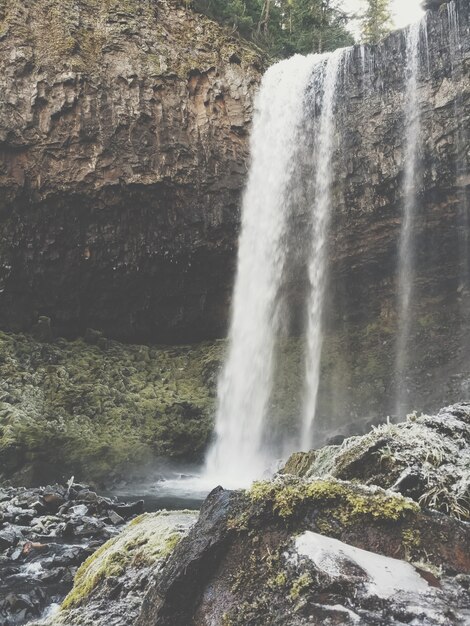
286	216
406	245
239	453
282	149
317	266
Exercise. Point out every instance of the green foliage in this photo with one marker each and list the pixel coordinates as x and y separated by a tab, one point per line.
80	409
377	21
283	27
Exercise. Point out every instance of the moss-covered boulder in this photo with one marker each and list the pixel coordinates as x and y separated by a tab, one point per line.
426	458
96	410
301	549
109	586
296	551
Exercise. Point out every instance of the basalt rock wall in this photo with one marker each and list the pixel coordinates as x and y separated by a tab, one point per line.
123	147
362	321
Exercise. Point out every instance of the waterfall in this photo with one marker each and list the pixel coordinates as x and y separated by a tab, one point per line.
406	256
288	165
239	453
317	269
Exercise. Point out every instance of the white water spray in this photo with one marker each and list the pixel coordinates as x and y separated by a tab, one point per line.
239	453
317	267
406	260
282	164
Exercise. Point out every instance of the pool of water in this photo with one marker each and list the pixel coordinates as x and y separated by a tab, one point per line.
173	493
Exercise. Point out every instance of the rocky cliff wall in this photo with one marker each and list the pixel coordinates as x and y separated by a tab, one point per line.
368	215
123	143
359	377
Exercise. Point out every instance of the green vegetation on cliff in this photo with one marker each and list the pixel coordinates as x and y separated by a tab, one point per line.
165	37
92	410
283	27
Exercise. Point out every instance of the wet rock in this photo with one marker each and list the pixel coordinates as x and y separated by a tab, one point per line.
53	500
40	557
114	518
9	536
110	585
302	550
80	510
127	510
31	547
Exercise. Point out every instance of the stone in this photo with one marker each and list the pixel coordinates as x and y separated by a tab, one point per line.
128	510
9	536
42	329
38	561
114	518
53	501
93	336
80	510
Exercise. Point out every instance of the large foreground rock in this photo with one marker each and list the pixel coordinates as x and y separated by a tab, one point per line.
298	550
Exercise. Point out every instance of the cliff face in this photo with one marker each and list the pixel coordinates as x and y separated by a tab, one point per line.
369	200
123	143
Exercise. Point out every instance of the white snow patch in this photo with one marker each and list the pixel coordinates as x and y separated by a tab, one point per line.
386	576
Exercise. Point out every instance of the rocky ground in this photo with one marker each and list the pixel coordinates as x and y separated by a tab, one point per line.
306	547
45	535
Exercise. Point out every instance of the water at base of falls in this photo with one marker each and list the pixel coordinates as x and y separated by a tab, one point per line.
283	155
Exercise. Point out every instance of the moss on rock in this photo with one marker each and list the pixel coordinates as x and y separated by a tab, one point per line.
76	36
287	497
148	540
426	458
74	408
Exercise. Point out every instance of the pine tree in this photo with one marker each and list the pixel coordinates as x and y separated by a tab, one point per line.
377	21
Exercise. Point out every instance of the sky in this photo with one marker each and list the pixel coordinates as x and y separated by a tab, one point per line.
404	11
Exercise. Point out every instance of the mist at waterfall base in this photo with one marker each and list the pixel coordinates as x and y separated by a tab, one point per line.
288	208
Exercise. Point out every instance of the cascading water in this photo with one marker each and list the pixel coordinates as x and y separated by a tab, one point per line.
281	152
239	453
406	247
283	244
317	267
